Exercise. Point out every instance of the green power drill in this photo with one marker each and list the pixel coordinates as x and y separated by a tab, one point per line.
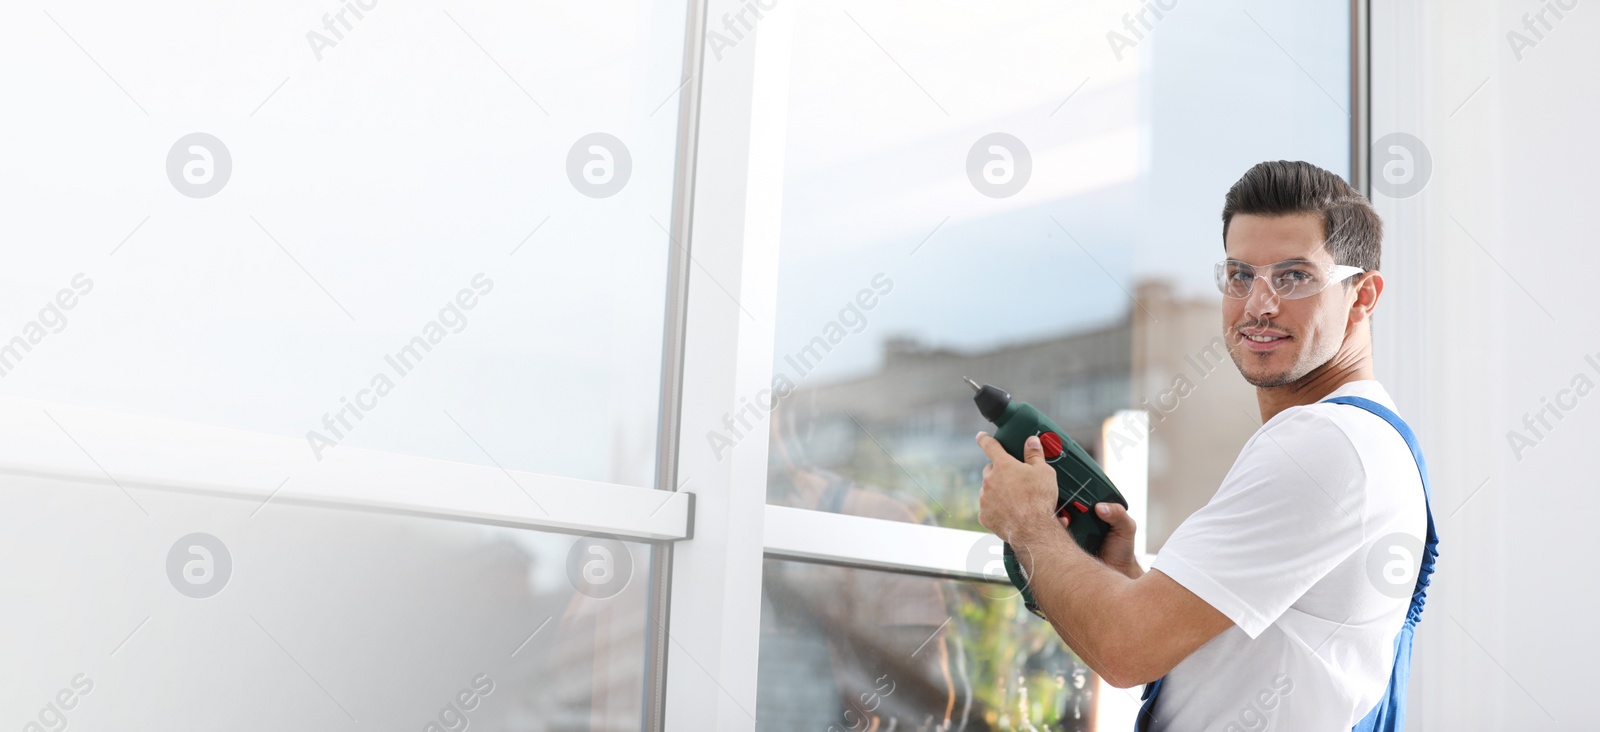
1080	483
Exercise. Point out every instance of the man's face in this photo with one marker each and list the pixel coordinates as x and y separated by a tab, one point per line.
1300	335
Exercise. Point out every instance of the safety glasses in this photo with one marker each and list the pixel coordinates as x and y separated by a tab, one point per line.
1291	279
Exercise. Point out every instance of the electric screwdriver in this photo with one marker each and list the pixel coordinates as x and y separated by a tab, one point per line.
1080	483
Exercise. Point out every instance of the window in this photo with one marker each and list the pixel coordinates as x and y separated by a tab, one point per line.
1027	196
369	242
595	366
281	616
855	649
333	350
1080	283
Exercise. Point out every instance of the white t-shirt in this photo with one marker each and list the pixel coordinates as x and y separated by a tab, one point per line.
1311	546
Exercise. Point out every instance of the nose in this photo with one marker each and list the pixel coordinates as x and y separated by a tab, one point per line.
1262	302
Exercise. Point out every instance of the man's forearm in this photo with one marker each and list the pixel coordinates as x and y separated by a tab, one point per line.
1086	601
1128	630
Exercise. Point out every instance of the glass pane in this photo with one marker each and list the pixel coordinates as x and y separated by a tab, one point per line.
1029	196
854	649
382	224
212	613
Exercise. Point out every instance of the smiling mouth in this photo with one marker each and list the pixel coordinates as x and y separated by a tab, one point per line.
1260	342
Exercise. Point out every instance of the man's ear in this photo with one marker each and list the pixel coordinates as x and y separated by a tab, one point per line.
1368	290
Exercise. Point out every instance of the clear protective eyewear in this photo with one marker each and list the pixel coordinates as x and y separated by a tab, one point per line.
1291	279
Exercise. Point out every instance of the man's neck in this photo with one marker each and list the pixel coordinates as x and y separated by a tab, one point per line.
1346	366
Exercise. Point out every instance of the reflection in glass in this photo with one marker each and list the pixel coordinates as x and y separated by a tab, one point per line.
423	156
1085	289
857	650
314	619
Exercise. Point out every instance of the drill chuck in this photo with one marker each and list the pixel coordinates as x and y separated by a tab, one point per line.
991	400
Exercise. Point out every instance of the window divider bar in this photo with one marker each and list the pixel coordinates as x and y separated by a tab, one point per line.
672	361
729	331
891	546
132	457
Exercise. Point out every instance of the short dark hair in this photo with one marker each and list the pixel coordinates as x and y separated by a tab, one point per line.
1285	187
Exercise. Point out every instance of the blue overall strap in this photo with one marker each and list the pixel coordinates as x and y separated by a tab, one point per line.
1390	713
1147	710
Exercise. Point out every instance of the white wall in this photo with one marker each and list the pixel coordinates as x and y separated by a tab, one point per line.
1483	319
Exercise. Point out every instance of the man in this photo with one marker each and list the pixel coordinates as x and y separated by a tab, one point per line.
1280	603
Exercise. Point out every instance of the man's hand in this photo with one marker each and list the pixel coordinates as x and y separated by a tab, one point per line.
1018	497
1117	550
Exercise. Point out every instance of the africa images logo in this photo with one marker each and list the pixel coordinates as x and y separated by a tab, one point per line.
199	565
